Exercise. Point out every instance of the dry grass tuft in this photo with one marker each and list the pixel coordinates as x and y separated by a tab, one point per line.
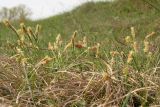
11	77
90	89
78	88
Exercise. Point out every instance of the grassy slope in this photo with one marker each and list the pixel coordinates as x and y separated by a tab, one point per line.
98	21
102	20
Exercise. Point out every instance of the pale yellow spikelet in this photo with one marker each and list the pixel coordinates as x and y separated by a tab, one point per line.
30	34
135	46
21	34
36	47
114	53
150	54
29	30
30	44
23	27
122	53
84	41
146	46
55	46
37	32
59	54
38	28
72	41
18	42
44	61
130	57
58	40
150	35
89	48
133	32
73	37
6	22
24	61
19	51
128	39
50	46
97	50
67	46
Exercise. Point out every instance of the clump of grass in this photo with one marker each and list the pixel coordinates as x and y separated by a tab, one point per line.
76	73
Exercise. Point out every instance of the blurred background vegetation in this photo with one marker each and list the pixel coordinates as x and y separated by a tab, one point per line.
99	21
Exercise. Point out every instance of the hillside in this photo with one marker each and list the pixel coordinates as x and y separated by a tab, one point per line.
104	20
113	59
100	20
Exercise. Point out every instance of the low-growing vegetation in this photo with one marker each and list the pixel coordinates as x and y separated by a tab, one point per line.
79	71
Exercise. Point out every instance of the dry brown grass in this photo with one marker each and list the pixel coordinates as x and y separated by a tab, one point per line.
11	77
68	88
97	90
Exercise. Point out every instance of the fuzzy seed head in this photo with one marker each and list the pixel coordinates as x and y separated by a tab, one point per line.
133	32
150	54
150	35
6	22
128	39
23	28
84	41
146	46
58	40
38	28
24	61
68	46
135	46
29	31
45	60
130	57
19	51
97	51
21	34
22	25
73	37
55	46
50	47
